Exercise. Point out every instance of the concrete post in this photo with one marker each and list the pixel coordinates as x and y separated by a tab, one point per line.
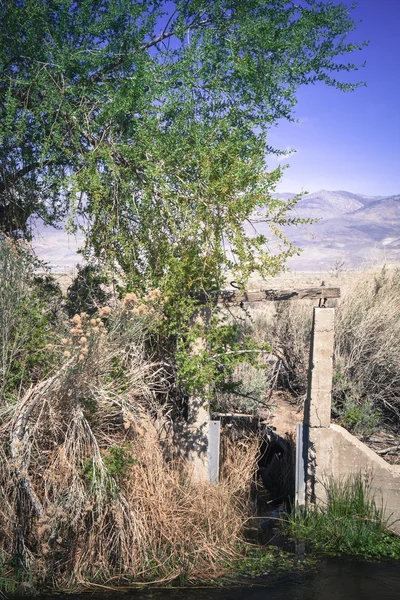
197	431
197	438
317	412
317	409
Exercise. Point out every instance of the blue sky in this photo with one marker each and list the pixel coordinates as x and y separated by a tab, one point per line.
351	141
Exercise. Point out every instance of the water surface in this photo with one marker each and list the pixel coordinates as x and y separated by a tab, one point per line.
333	579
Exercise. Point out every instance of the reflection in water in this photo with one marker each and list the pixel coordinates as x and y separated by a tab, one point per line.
334	579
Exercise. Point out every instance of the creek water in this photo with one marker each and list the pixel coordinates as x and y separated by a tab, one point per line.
333	579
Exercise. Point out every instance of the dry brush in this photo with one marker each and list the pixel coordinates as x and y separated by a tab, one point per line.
86	493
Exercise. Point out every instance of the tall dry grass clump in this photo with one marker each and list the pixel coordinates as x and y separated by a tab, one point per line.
367	348
86	494
291	335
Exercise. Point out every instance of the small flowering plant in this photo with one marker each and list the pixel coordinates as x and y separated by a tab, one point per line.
150	305
88	335
84	335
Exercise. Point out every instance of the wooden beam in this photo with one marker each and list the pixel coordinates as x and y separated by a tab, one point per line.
316	293
230	415
227	297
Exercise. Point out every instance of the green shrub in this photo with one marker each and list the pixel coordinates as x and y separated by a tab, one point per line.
361	418
249	386
26	320
350	522
118	461
86	293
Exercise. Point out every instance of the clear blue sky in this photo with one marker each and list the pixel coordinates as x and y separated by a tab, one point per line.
351	141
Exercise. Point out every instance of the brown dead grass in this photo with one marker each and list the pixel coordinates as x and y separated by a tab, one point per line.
86	494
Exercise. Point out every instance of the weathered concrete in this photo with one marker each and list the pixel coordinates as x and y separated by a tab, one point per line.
331	451
197	430
197	438
339	454
317	410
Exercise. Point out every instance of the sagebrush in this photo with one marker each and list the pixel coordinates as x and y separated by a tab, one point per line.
86	493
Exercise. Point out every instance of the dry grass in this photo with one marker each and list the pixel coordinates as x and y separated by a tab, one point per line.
367	349
86	495
367	343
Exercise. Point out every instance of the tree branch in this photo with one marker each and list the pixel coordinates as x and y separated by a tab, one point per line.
116	63
22	172
157	40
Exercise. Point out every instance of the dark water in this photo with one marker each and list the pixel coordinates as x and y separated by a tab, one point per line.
333	579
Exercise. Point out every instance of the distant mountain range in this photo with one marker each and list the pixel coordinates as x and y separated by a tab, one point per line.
352	228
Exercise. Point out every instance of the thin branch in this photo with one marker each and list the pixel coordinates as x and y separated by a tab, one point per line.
24	171
390	450
157	40
250	397
241	352
116	63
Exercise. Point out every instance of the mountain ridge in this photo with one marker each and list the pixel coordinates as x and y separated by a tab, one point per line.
354	228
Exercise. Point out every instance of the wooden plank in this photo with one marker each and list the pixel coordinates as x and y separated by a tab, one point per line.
317	293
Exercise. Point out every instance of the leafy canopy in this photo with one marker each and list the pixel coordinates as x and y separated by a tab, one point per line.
147	122
150	120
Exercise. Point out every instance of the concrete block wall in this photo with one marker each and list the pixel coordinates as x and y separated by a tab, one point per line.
339	454
331	451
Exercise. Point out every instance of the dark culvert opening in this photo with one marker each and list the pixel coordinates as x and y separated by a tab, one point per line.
274	487
276	466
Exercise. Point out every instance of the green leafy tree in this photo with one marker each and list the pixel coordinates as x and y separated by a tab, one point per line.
148	122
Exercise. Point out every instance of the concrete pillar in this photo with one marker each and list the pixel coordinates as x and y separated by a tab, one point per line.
197	430
197	437
317	410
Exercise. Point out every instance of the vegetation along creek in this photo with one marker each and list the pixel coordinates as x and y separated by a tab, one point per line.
179	416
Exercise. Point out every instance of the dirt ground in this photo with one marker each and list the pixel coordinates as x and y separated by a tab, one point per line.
284	414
